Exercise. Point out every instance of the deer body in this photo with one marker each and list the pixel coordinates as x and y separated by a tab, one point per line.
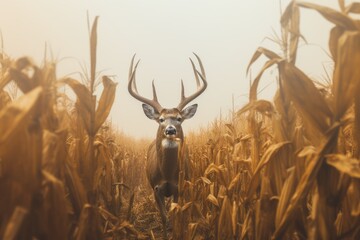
162	167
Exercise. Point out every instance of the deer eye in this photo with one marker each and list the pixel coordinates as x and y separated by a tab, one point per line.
179	119
161	119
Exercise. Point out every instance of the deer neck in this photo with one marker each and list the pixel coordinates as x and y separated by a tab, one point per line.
167	153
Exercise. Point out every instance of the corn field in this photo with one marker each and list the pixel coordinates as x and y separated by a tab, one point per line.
282	169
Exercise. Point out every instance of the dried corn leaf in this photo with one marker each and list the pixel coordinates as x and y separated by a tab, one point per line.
287	14
347	72
262	106
125	229
290	22
205	180
88	224
77	194
186	206
283	119
262	51
247	227
4	79
218	171
14	225
338	18
344	164
234	182
285	196
353	8
19	71
229	139
306	97
85	103
53	217
103	177
19	156
234	219
335	33
342	5
81	92
354	198
174	208
93	46
17	114
231	130
306	181
211	198
265	210
191	230
255	84
54	152
224	224
270	153
4	99
105	103
356	127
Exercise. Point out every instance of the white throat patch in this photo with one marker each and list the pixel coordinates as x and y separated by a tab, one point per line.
169	143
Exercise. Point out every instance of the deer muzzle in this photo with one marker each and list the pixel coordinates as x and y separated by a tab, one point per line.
170	131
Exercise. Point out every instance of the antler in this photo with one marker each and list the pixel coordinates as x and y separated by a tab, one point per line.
200	89
134	92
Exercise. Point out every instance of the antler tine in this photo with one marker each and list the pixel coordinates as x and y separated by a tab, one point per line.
182	91
131	66
154	92
132	88
200	88
195	73
201	65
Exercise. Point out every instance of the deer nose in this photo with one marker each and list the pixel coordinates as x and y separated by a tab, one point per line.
170	130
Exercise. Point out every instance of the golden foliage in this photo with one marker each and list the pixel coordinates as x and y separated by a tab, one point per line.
287	169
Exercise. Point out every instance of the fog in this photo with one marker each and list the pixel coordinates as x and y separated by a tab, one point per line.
163	34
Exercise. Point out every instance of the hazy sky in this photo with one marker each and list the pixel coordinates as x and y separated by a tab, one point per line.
163	33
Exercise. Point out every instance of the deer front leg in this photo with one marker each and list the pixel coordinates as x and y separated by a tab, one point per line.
160	201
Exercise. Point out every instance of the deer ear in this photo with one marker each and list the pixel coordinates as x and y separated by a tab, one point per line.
189	112
150	112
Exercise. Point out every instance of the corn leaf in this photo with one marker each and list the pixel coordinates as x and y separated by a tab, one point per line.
342	5
268	156
16	221
338	18
306	182
345	164
211	198
85	103
335	33
290	22
306	97
262	51
16	115
347	72
224	224
93	46
255	84
105	103
353	8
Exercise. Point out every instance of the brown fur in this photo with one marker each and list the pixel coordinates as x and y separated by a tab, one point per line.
162	167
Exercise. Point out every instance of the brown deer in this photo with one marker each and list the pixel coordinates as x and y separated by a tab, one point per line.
162	168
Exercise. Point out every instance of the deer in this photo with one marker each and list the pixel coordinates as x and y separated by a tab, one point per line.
162	166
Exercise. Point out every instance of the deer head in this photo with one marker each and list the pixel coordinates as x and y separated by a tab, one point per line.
169	120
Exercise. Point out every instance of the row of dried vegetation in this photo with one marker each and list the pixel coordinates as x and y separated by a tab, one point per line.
62	166
287	169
